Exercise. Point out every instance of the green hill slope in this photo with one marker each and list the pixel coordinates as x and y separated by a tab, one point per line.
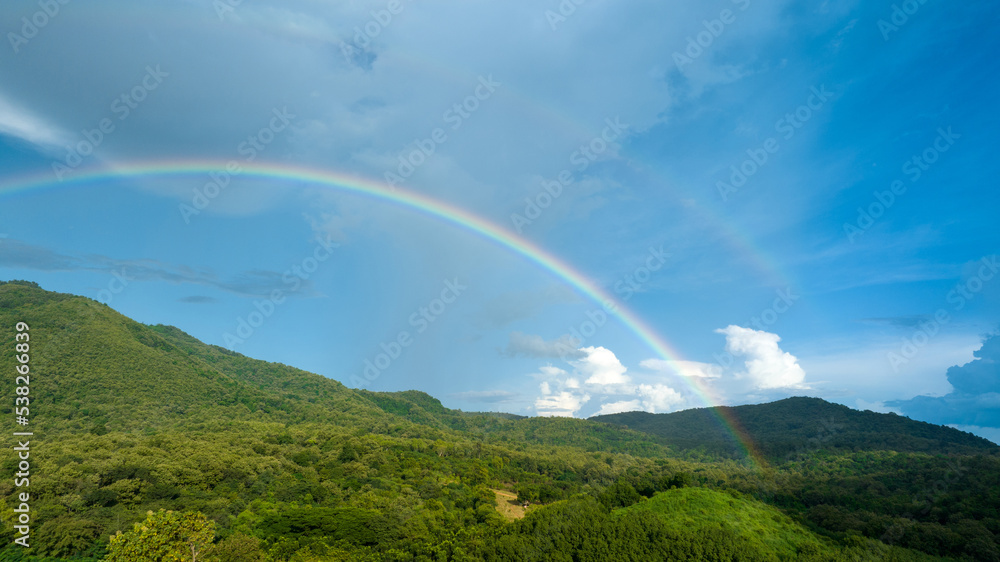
761	525
783	429
679	524
129	417
100	371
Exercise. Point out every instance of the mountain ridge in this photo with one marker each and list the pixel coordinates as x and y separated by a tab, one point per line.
780	429
134	417
244	385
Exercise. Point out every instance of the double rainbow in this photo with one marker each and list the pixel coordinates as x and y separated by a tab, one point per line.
429	206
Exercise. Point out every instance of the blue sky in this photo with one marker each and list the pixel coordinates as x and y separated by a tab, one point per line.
814	184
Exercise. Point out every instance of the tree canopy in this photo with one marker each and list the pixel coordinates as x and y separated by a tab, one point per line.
156	444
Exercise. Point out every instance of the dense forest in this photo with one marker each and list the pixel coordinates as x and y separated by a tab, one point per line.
149	444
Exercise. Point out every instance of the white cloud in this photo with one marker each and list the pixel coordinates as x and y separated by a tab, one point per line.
551	371
766	373
601	367
652	398
684	368
19	122
560	396
767	366
601	373
619	407
561	404
659	397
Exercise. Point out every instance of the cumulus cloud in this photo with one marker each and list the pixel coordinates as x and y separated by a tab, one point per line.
600	373
975	400
530	345
652	398
619	407
659	397
767	366
759	370
559	404
601	367
982	375
560	393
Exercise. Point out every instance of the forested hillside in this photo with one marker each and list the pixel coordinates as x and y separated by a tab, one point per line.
272	463
783	429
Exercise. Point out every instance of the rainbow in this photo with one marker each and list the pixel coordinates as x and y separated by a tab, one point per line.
429	206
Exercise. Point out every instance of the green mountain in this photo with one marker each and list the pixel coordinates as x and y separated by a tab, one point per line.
288	465
787	428
106	372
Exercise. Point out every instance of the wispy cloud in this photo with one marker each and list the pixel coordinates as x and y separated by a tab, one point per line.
20	123
17	254
487	396
898	321
528	345
199	299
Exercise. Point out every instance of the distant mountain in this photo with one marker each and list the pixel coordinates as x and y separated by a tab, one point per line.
786	428
128	418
